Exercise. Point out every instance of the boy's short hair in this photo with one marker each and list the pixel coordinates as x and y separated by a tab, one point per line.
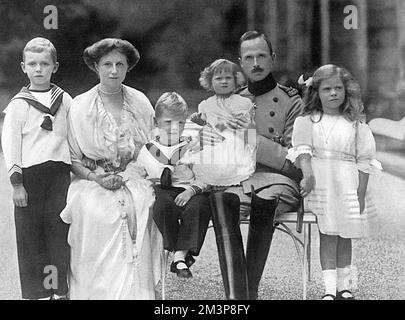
171	102
40	44
96	51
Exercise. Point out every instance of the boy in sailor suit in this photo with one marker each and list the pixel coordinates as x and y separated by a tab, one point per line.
179	195
36	154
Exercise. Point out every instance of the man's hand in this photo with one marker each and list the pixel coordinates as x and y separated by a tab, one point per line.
241	122
307	185
207	136
182	199
20	196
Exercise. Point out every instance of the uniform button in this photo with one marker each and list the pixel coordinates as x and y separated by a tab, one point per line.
272	113
271	130
275	99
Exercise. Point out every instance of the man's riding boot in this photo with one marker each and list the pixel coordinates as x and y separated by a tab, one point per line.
225	215
261	228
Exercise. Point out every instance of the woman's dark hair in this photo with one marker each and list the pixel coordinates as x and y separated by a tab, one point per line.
96	51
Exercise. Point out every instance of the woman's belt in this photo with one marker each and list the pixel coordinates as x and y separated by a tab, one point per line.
107	165
334	155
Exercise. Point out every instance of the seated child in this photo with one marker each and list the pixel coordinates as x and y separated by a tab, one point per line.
232	161
179	195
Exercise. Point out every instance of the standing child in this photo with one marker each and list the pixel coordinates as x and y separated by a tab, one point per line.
180	195
232	161
335	151
36	154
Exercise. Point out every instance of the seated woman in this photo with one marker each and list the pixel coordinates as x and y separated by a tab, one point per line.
115	245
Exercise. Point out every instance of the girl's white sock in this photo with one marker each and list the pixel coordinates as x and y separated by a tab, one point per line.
329	280
343	278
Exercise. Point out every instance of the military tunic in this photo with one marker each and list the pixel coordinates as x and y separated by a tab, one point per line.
276	111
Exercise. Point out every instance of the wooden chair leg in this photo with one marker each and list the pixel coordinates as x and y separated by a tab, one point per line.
165	258
309	251
305	268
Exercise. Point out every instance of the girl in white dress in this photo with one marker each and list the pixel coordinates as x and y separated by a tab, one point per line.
233	160
335	150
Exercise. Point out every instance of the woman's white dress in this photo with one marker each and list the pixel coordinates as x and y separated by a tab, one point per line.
116	248
339	149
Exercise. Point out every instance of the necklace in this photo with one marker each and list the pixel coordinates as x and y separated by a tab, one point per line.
327	136
115	122
109	93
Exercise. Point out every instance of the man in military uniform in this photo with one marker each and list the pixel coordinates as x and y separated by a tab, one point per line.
273	188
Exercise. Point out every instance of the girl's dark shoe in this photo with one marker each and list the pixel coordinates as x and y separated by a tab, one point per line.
344	295
181	273
328	296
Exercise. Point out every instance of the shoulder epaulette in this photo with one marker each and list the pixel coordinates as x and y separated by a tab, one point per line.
290	91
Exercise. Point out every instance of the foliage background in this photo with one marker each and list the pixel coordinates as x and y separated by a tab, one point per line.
176	40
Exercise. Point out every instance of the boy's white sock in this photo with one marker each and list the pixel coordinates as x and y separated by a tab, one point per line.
343	278
329	280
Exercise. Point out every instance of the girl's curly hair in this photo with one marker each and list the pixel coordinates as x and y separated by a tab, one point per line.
218	66
352	107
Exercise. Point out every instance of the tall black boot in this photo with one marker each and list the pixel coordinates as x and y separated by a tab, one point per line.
261	229
225	215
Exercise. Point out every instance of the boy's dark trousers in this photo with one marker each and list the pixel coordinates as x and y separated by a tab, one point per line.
189	233
41	234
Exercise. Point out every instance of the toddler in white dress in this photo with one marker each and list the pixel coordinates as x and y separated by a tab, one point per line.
232	161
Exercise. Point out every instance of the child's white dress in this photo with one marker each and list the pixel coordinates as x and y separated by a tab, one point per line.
336	159
233	160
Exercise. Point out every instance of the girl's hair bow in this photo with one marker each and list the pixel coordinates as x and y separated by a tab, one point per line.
307	82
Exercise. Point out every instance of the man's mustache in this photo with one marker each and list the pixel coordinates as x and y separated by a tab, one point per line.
257	69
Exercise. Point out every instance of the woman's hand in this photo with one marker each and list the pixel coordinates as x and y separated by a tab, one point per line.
182	199
89	163
110	181
125	158
307	185
20	196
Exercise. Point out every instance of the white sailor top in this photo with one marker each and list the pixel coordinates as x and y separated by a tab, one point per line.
34	133
155	157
